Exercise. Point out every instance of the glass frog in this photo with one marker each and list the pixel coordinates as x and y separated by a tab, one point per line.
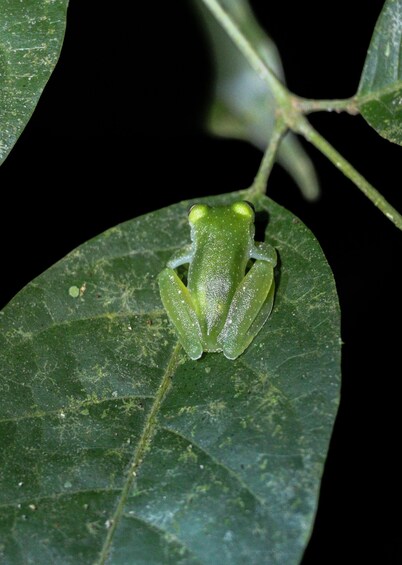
226	301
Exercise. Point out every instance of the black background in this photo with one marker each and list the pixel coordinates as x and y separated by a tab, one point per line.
117	133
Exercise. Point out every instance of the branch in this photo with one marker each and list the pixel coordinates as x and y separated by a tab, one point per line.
307	130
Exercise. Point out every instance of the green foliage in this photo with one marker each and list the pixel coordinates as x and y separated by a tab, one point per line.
116	446
380	90
290	110
31	35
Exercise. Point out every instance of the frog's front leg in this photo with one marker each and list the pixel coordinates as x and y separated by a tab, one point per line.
251	304
181	257
179	306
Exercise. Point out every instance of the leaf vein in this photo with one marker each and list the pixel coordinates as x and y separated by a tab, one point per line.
163	533
77	406
67	322
221	464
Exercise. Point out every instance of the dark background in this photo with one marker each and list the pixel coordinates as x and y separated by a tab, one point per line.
117	133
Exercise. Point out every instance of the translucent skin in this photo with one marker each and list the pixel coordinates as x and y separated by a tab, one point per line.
223	241
223	307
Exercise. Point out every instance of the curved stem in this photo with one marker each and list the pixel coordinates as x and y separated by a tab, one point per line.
307	130
260	181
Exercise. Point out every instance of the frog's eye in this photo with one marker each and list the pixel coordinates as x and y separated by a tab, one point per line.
197	211
244	209
250	204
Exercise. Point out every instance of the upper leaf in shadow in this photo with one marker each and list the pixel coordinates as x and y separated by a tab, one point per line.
31	35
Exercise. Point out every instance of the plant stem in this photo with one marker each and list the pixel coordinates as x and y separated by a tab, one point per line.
307	130
292	110
306	105
280	92
260	181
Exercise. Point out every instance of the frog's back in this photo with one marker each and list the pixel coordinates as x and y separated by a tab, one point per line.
222	248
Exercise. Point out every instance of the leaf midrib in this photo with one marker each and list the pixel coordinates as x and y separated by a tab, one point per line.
142	447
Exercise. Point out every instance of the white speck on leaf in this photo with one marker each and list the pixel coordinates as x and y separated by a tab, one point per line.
83	288
387	50
228	536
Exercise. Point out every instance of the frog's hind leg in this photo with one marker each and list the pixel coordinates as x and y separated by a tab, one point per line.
250	308
180	309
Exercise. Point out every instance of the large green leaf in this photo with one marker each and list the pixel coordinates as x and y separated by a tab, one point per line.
31	35
243	106
117	448
380	90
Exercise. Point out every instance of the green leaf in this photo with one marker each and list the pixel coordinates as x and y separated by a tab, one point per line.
243	106
117	448
31	35
379	95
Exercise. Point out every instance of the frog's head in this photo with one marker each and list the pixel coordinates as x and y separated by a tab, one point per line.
238	216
